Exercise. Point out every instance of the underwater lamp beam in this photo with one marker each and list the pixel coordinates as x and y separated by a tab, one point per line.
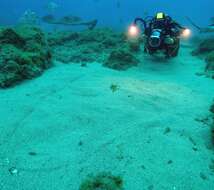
133	29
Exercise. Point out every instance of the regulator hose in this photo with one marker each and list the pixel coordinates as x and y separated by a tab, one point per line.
140	20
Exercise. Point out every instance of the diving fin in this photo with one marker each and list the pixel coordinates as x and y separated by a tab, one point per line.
196	26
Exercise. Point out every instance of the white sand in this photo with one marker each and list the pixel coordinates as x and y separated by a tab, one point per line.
120	132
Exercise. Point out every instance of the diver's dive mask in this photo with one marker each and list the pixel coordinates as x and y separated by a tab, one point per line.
155	38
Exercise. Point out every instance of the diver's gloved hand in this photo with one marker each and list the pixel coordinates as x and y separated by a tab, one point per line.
169	40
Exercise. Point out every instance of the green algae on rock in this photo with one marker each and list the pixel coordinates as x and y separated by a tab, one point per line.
205	46
212	108
24	54
9	36
210	64
206	50
85	46
102	181
212	125
134	44
121	59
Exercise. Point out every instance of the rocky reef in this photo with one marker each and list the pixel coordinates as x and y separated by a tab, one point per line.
210	64
205	46
25	51
121	59
99	45
102	181
205	49
24	54
212	125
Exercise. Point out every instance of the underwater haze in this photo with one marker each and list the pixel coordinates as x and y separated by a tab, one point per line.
106	95
107	10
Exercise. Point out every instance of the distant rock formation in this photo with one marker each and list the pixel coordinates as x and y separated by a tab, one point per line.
205	46
86	46
210	64
206	49
24	54
29	18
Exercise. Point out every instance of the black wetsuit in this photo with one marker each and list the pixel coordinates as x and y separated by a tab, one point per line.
169	29
167	25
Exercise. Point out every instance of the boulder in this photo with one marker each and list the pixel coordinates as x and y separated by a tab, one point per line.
9	36
121	59
212	109
205	46
60	38
209	69
24	54
212	125
102	181
85	46
210	61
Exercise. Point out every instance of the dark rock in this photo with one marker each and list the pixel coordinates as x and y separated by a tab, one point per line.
60	38
83	65
206	49
114	87
212	132
102	181
151	187
134	45
24	54
209	69
66	55
206	46
166	130
32	153
121	60
212	125
210	61
169	162
85	46
203	176
211	166
212	108
9	36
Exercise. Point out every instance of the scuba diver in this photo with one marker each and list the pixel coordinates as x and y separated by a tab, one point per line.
161	32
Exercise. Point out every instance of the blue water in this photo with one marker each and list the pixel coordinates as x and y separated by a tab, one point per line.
106	11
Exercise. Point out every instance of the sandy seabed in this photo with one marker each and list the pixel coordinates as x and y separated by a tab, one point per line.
68	123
